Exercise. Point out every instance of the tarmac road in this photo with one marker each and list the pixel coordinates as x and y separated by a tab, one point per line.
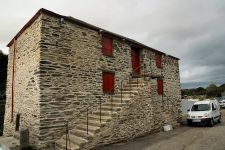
183	138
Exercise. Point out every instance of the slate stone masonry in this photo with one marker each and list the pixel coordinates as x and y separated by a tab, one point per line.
58	75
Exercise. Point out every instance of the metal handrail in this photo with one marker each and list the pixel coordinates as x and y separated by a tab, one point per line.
100	110
67	135
100	99
121	87
129	75
87	114
87	119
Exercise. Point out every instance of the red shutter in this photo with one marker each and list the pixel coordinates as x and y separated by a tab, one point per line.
160	86
108	82
158	60
135	60
106	46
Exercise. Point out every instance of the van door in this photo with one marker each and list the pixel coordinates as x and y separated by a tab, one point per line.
215	112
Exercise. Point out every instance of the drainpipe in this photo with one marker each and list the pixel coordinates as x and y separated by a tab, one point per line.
13	76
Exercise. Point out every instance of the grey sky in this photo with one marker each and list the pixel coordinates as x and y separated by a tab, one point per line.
192	30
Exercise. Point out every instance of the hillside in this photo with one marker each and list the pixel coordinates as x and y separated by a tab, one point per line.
211	91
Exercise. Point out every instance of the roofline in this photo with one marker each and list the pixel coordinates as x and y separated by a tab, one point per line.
82	23
205	101
25	27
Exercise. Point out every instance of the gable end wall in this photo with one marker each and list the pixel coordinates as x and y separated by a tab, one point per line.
26	83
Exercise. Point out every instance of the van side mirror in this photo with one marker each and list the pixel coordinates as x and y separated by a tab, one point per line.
188	110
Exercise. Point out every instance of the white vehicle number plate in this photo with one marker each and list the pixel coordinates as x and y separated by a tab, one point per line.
196	120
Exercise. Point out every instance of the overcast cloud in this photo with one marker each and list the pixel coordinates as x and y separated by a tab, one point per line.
192	30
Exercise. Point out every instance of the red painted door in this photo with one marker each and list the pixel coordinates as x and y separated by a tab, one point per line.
135	59
108	82
160	86
158	60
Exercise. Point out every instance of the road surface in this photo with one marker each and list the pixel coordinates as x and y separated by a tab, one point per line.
183	138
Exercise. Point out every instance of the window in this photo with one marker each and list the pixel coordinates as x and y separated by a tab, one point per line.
200	107
158	58
160	86
108	82
106	46
213	107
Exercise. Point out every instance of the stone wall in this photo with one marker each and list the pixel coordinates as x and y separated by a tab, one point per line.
171	89
71	73
26	83
148	112
143	115
136	119
170	103
71	76
58	74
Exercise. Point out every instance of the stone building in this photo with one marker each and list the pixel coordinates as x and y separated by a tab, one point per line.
108	88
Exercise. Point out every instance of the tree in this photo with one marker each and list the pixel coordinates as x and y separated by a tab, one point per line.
212	90
3	77
200	91
3	73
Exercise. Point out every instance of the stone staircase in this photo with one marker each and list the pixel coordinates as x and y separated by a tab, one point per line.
78	135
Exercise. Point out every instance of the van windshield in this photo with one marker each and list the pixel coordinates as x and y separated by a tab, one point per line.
200	107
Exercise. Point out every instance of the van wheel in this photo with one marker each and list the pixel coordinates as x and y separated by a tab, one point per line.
219	120
189	124
211	123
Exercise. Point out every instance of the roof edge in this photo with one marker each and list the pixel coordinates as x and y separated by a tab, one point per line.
82	23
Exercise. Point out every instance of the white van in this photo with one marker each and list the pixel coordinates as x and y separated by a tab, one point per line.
204	112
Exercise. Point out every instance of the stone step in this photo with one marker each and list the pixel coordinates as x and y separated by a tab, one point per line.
128	92
92	129
136	82
126	95
114	104
135	79
16	135
109	108
127	88
82	134
76	139
134	85
61	145
118	99
79	136
105	113
95	123
97	118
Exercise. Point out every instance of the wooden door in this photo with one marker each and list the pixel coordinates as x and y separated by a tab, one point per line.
108	82
135	59
160	86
